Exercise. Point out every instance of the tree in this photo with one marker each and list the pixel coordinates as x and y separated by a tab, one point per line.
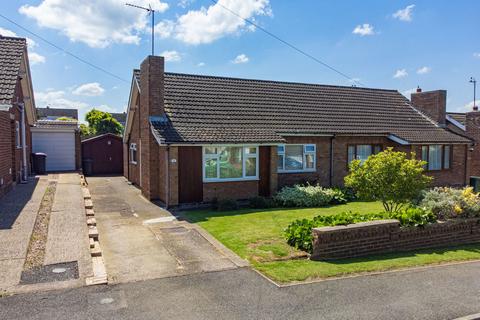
100	122
390	177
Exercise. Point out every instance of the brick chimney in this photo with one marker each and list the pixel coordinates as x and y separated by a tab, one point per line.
431	103
151	105
472	127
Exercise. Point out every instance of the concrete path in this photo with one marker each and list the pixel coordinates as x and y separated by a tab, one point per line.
18	211
142	241
67	239
445	292
67	232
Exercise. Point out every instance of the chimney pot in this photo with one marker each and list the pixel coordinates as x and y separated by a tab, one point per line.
419	89
475	108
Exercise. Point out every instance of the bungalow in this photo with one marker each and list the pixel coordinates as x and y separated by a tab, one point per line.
193	138
17	112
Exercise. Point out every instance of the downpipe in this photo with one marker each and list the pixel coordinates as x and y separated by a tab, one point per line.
24	173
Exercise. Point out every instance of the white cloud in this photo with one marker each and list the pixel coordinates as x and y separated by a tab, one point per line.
92	89
35	58
185	3
476	55
201	64
404	14
241	58
364	30
209	24
469	106
400	73
171	56
424	70
96	23
9	33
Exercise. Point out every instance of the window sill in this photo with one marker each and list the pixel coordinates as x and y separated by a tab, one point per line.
297	171
231	180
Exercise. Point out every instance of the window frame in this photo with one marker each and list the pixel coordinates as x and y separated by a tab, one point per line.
133	148
245	156
442	164
355	145
304	154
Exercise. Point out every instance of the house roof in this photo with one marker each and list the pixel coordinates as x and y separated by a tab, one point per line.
458	116
56	124
57	112
11	55
120	117
207	109
101	136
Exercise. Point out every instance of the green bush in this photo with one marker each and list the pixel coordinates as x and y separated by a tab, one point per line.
299	232
390	177
309	196
227	205
261	203
449	203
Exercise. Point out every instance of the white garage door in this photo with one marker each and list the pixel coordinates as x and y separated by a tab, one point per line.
59	148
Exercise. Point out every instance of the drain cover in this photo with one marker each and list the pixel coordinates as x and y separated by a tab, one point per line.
106	300
59	270
50	273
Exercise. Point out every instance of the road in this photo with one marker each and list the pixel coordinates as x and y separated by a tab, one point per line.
445	292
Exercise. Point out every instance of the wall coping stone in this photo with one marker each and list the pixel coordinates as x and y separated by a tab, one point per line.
359	225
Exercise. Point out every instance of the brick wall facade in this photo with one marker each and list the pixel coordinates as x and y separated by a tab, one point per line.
230	190
375	237
472	126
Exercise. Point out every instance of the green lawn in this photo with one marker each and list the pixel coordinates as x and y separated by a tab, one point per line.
257	235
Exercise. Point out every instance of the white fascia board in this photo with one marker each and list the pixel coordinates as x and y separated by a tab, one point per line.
398	140
456	123
5	107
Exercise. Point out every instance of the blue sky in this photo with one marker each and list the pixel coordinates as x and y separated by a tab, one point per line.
385	44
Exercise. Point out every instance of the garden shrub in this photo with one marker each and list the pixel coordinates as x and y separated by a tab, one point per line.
449	203
261	203
299	232
227	205
309	196
389	177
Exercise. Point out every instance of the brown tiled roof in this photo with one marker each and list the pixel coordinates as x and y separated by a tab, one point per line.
57	113
458	116
120	117
206	109
56	124
11	51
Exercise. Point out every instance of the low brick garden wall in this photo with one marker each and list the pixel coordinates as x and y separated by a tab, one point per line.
383	236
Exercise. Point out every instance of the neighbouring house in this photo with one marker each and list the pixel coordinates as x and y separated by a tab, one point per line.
195	138
434	105
17	112
55	113
60	141
120	117
105	153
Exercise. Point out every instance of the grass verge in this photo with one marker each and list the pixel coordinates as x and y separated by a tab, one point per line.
257	235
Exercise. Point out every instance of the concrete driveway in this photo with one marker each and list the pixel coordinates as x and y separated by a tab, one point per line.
140	240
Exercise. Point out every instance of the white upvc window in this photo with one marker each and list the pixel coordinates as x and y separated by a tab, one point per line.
230	163
133	153
18	139
437	156
296	158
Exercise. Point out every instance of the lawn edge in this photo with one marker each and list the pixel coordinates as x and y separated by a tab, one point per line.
366	274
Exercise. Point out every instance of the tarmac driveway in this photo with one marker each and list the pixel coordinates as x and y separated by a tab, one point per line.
141	240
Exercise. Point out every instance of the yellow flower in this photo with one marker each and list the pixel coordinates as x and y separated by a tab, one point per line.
458	209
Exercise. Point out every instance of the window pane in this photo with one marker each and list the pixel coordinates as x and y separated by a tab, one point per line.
435	157
210	150
251	150
309	162
377	149
363	152
424	153
310	148
251	167
294	157
231	162
280	162
351	153
446	157
211	168
280	149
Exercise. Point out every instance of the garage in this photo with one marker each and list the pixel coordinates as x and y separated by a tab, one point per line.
58	140
104	153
